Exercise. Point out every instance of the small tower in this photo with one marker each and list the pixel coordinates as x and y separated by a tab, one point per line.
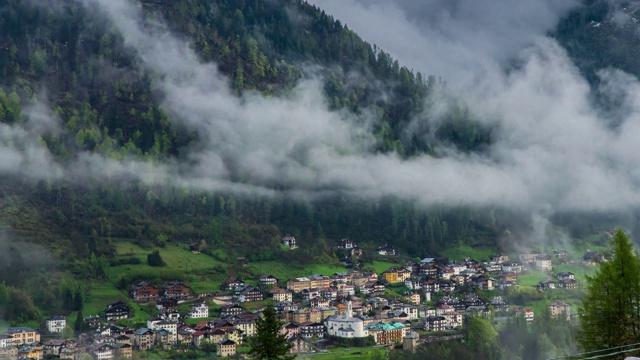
349	309
410	341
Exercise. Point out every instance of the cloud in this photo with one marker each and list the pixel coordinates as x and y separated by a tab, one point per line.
458	40
553	151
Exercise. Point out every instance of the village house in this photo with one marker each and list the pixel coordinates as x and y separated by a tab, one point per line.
483	283
230	284
435	323
167	304
505	284
123	351
143	339
289	330
560	254
299	345
250	294
347	244
230	310
226	348
9	352
290	242
384	334
56	323
144	292
499	304
527	314
176	290
319	301
280	294
199	311
445	272
413	298
298	284
309	330
319	281
568	283
116	311
386	250
499	258
492	267
591	258
528	257
544	263
565	275
546	285
268	281
194	248
453	320
247	326
31	351
23	335
559	310
511	267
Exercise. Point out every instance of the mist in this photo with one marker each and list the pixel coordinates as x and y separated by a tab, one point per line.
552	151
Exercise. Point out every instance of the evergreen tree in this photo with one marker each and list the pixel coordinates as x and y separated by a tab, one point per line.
79	324
610	312
268	343
154	259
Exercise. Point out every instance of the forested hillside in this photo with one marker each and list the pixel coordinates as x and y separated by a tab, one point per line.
60	61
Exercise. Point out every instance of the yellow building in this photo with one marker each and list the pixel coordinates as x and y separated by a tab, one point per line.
226	348
390	276
298	284
23	335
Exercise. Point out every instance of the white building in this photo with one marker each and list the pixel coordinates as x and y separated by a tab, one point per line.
199	311
6	341
544	263
56	324
346	326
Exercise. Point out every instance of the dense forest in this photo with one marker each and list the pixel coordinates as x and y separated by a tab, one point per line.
107	102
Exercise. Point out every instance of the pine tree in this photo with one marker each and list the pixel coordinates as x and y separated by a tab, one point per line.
268	343
610	312
79	324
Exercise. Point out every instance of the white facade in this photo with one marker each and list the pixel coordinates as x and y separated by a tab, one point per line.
543	264
5	341
346	326
199	311
56	324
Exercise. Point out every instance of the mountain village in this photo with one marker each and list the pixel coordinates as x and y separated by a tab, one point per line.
319	311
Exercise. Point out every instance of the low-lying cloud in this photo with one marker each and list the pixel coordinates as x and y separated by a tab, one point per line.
551	152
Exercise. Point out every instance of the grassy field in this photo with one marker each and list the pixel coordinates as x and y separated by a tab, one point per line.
532	278
463	251
381	266
284	271
353	353
176	257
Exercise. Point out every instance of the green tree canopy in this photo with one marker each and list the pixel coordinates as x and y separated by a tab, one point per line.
610	311
268	342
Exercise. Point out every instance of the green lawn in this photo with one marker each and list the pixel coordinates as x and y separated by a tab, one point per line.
381	266
579	271
101	295
284	271
464	251
353	353
176	257
532	278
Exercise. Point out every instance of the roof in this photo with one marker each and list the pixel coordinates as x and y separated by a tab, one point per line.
228	342
386	327
13	330
57	317
142	331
